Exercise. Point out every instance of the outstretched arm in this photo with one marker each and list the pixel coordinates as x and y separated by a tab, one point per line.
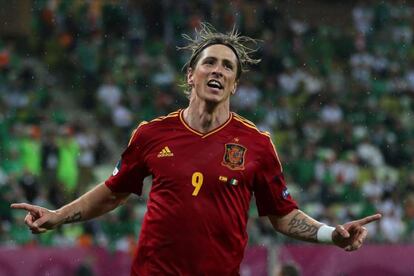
94	203
299	225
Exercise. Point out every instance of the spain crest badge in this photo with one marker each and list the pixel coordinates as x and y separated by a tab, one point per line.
234	156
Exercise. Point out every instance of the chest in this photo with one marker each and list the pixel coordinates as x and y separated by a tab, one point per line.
202	165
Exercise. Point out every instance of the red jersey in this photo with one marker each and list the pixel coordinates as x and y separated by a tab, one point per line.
199	200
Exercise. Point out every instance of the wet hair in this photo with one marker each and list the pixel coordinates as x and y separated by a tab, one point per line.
207	35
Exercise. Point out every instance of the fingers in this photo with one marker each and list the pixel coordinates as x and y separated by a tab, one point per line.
35	225
342	231
368	219
38	230
25	206
29	219
358	239
364	234
34	218
39	222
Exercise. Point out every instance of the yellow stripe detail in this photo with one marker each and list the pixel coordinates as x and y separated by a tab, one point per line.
220	128
277	155
187	126
265	133
170	115
135	130
246	124
204	135
142	123
157	119
244	119
173	114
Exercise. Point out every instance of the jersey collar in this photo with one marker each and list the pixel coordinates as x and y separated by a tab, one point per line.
204	135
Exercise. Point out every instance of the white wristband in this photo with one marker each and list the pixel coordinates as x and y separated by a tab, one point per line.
324	234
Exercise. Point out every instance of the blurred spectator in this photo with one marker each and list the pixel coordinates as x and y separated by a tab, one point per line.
247	96
370	154
109	94
87	140
363	16
30	150
331	113
49	157
68	170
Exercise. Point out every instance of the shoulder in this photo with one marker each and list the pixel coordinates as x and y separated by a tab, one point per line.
248	126
147	129
262	139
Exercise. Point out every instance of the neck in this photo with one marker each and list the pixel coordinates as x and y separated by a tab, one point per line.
205	117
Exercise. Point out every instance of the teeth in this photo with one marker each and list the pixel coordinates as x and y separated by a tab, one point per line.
214	82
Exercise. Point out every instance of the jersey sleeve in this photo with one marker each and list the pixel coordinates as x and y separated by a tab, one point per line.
270	190
131	169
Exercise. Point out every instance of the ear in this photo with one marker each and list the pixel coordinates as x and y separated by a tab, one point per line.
190	76
234	88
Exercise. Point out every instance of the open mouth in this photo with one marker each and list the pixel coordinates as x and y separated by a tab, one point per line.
214	84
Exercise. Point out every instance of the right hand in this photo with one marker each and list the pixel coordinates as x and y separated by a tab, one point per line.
352	235
38	219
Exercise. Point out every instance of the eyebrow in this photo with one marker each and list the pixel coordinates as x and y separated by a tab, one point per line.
225	60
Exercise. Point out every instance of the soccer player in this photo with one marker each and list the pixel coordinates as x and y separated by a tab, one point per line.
206	164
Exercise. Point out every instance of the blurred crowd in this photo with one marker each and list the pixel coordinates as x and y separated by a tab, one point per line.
337	100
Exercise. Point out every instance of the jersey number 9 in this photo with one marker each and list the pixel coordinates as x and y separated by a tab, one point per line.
197	181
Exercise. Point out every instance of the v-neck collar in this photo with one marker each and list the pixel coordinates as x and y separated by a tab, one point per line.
204	135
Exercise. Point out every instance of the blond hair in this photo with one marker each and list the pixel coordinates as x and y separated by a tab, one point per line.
207	35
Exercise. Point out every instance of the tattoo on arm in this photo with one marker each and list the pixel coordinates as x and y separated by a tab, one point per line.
74	218
302	228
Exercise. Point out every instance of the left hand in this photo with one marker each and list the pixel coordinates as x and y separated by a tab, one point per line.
352	235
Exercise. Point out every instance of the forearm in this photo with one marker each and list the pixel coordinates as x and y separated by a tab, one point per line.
297	225
94	203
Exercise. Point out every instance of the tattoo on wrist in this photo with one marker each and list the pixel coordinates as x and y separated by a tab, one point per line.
302	228
74	218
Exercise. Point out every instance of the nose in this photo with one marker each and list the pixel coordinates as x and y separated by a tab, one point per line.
217	71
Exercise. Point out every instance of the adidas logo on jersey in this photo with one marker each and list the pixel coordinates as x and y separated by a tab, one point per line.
166	152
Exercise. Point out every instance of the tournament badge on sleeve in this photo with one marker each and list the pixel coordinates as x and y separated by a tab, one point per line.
117	168
234	156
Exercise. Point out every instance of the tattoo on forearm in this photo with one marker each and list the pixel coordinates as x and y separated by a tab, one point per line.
300	227
74	218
